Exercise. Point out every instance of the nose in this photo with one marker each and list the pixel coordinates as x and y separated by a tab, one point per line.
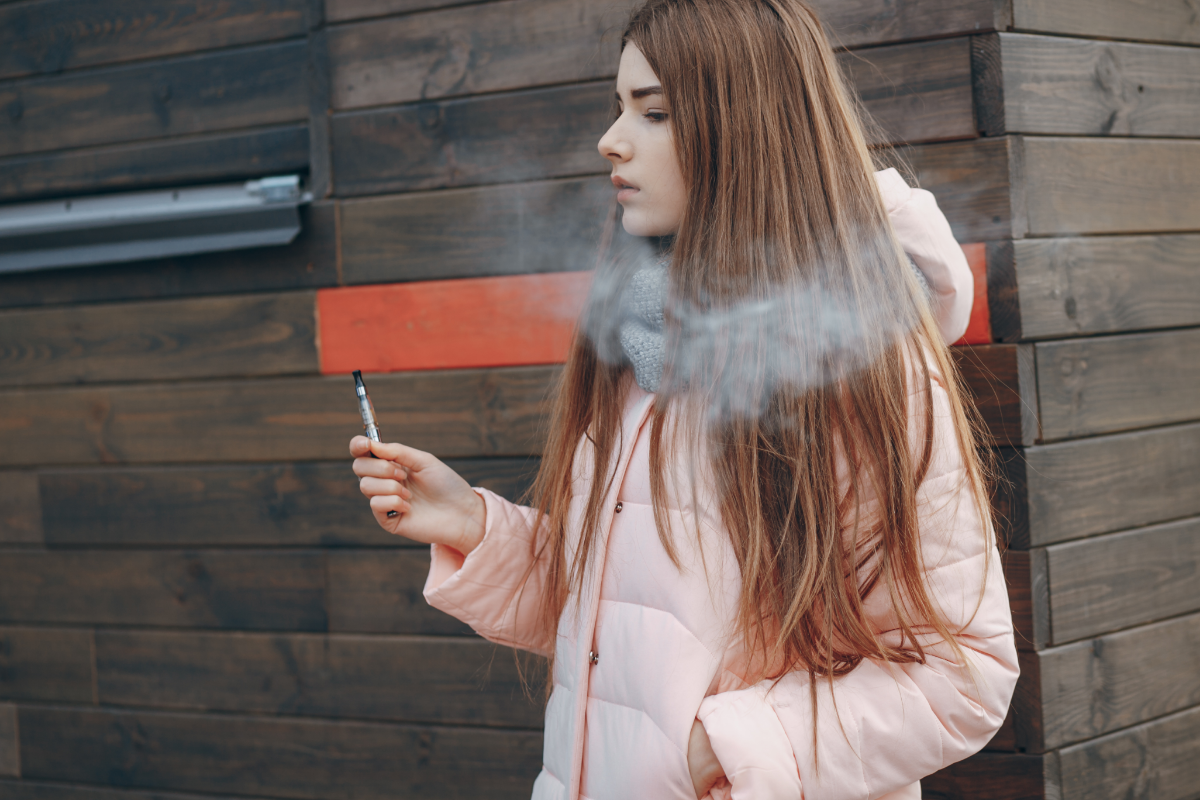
614	145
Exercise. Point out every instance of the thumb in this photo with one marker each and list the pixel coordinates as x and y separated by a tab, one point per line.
405	456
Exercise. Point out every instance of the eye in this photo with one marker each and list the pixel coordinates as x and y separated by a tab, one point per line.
656	116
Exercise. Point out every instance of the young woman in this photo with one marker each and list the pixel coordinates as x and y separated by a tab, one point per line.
762	564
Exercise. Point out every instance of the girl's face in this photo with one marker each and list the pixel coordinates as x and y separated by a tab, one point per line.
640	146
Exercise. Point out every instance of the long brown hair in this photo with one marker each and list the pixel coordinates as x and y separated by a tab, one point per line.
796	333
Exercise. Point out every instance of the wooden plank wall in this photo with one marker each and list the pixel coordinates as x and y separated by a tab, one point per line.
194	598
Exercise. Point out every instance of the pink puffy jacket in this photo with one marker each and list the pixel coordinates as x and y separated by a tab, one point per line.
648	648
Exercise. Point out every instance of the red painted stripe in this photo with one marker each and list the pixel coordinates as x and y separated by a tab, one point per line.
488	322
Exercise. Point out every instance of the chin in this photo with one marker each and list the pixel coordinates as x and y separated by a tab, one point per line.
637	225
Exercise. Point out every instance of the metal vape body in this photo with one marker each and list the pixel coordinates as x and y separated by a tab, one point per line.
365	408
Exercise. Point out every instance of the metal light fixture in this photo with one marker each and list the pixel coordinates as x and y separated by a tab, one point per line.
140	225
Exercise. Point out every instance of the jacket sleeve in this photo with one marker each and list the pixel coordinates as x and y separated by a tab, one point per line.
924	233
884	726
498	588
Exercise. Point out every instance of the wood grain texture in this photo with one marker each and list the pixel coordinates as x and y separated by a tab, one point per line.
988	776
501	321
1110	19
971	183
1098	185
207	158
1103	385
1111	582
1112	483
243	589
41	790
47	664
373	591
1026	573
1086	285
272	334
49	36
20	509
1095	687
853	23
1075	86
437	680
346	10
244	505
303	759
1154	761
468	413
1008	494
1000	379
482	48
260	85
10	746
310	260
542	226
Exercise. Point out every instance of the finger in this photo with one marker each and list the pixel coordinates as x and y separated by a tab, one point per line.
408	457
382	504
375	487
378	468
360	446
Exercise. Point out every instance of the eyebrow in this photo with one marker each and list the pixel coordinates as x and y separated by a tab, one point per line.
645	91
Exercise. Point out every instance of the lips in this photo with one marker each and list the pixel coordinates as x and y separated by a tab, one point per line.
625	189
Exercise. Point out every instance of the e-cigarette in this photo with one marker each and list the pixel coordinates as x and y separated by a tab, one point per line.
367	410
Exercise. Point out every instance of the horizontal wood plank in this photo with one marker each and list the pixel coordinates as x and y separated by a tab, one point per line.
206	158
1084	285
49	36
1075	86
20	509
10	746
46	790
468	413
260	85
310	260
251	589
988	776
1155	760
48	664
381	592
1113	383
1112	483
346	10
1110	19
1000	380
1096	185
971	183
1095	687
437	680
481	48
1111	582
249	335
542	226
244	505
302	759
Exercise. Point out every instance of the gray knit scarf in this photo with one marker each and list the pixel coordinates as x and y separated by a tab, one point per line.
641	325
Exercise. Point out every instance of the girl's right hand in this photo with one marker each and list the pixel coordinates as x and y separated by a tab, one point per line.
433	504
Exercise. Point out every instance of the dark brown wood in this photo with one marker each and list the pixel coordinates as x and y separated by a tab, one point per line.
1095	687
372	591
1026	574
38	790
1000	379
320	175
544	226
1111	483
264	334
543	133
242	589
1111	582
345	10
1059	85
10	748
49	36
260	85
252	505
303	759
309	261
1110	19
1090	386
1026	705
20	509
480	48
208	158
1108	284
988	776
1005	740
853	23
1152	761
971	183
1098	185
48	664
442	680
915	92
1009	497
467	413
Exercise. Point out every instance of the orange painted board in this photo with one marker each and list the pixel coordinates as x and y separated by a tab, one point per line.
475	322
979	328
